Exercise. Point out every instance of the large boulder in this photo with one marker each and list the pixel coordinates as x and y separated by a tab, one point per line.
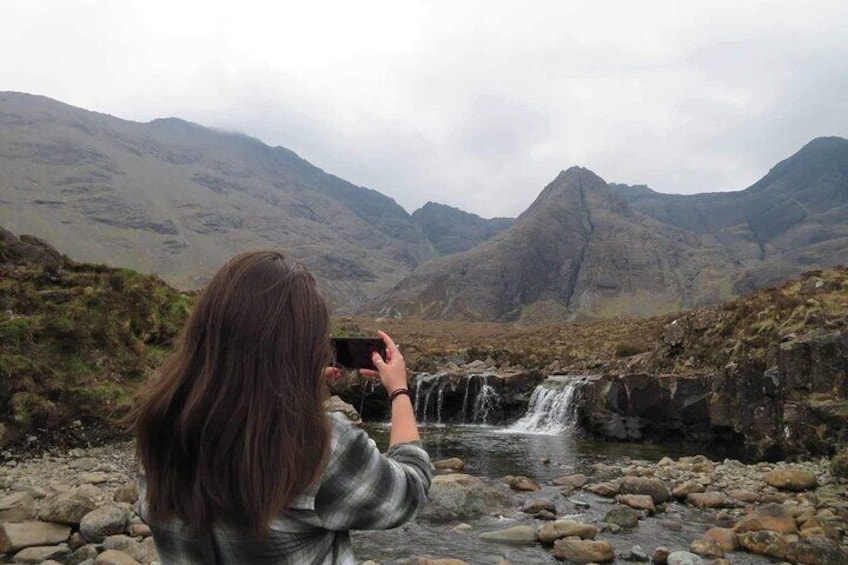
791	478
18	535
553	531
583	551
67	507
654	488
457	496
102	522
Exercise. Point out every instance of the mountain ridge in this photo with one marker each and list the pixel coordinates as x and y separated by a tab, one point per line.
602	250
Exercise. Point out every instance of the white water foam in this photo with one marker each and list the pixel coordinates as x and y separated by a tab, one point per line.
551	411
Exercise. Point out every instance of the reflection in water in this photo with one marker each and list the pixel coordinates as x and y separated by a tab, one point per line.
494	452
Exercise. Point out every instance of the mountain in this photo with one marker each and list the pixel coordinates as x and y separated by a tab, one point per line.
796	217
452	230
176	198
579	248
585	248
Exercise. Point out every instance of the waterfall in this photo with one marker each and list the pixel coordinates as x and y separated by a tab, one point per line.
437	399
367	388
484	402
551	410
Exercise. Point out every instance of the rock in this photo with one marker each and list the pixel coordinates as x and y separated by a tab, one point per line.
641	485
581	504
40	554
817	526
689	487
127	493
774	517
140	530
623	517
743	495
457	496
574	481
88	551
545	515
638	502
523	483
17	507
607	490
101	522
537	505
764	542
18	535
463	528
337	405
638	554
683	558
549	533
725	537
660	556
515	534
706	547
817	551
791	478
143	551
67	508
672	524
447	561
76	541
707	499
583	551
115	557
454	464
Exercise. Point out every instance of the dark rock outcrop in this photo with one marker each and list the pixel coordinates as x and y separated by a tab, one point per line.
797	406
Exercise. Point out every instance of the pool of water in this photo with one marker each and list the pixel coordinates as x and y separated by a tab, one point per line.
492	453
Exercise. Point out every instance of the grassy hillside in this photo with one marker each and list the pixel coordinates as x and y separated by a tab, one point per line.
76	339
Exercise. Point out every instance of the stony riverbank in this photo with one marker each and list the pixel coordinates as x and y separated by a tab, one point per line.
80	506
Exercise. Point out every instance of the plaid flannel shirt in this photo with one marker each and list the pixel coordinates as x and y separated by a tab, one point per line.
360	489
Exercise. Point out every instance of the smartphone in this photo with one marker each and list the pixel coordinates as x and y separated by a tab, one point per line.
355	352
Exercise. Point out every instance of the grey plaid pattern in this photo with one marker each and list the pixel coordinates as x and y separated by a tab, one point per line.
359	490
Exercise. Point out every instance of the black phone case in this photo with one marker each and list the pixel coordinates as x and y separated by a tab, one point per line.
355	352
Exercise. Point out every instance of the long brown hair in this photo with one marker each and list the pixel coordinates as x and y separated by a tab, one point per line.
233	429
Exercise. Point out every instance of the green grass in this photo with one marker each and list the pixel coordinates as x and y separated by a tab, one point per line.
78	341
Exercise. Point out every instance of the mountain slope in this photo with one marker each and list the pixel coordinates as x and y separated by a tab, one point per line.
578	250
795	217
452	230
176	198
585	248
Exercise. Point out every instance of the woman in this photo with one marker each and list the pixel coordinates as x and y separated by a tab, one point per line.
241	463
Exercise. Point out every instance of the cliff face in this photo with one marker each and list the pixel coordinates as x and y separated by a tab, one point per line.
177	199
589	249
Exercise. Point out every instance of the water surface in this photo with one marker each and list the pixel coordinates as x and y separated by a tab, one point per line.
494	452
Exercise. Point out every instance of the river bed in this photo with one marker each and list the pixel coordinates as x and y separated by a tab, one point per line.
491	453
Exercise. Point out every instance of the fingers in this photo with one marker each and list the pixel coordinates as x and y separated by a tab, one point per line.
371	374
332	372
391	347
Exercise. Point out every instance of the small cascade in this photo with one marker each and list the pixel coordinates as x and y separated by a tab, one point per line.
484	402
551	410
368	386
425	385
437	399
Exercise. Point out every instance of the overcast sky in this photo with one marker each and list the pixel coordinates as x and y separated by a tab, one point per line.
473	104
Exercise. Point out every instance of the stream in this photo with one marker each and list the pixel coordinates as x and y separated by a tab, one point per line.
542	445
